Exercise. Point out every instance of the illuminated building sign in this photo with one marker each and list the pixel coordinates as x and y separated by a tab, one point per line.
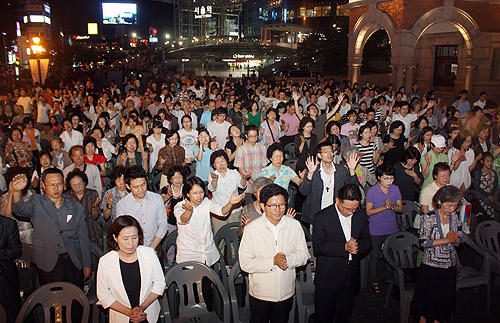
203	12
92	28
243	56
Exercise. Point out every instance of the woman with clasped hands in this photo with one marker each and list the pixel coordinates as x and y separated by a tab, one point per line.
440	234
129	277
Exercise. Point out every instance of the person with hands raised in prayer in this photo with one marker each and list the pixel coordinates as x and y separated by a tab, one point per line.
341	238
222	183
61	247
382	202
440	234
129	277
324	179
273	245
195	241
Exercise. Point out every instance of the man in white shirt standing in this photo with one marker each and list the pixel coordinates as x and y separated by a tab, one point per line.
408	118
43	110
482	100
323	100
272	246
25	101
146	207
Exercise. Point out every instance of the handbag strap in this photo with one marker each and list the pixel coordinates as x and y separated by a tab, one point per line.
270	130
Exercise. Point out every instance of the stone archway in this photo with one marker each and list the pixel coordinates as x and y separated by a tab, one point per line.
367	24
458	18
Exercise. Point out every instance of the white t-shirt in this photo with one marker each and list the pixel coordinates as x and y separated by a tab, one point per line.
188	141
157	145
219	131
43	113
406	120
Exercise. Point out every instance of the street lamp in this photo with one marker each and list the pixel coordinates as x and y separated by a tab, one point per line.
167	36
37	49
134	35
5	48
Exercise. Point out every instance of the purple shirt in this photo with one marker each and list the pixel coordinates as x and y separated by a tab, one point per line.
383	222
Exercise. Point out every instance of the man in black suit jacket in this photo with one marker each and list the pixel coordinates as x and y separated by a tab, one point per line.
340	239
10	250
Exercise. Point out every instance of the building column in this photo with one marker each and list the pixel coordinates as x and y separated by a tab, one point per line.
408	77
354	68
468	77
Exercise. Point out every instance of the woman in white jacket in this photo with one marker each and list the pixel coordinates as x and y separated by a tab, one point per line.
129	278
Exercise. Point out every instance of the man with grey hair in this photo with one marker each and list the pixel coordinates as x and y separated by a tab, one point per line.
252	210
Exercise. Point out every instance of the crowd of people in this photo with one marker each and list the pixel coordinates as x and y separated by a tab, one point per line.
139	161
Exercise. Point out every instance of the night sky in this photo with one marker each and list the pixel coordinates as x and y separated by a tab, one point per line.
72	17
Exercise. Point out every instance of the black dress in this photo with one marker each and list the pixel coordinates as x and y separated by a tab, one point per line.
131	277
394	155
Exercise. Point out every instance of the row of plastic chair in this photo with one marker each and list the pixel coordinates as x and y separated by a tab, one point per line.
401	251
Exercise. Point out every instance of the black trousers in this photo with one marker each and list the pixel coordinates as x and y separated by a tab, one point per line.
274	312
64	271
334	304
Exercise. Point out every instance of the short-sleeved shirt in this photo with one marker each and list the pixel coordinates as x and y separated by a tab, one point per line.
116	198
427	194
252	159
283	177
293	123
203	166
407	120
383	222
434	160
188	141
348	129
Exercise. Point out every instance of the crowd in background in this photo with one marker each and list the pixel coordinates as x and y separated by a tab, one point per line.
165	154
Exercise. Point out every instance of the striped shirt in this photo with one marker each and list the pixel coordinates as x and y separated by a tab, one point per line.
367	157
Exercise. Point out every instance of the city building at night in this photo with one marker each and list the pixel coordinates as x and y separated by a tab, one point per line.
34	23
207	20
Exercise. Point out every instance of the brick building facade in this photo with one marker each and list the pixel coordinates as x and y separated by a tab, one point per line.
447	45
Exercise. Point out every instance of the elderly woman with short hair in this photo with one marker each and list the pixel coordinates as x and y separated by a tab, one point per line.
440	234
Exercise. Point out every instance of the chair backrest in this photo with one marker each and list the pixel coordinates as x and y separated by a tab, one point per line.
487	234
25	260
56	295
188	278
410	210
95	250
3	315
156	182
292	163
305	276
290	151
228	242
170	241
401	249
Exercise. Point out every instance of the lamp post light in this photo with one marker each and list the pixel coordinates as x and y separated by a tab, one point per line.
37	49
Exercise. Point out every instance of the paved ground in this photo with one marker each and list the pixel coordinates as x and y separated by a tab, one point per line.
471	303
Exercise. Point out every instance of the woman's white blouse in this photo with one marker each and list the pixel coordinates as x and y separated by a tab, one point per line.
195	240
